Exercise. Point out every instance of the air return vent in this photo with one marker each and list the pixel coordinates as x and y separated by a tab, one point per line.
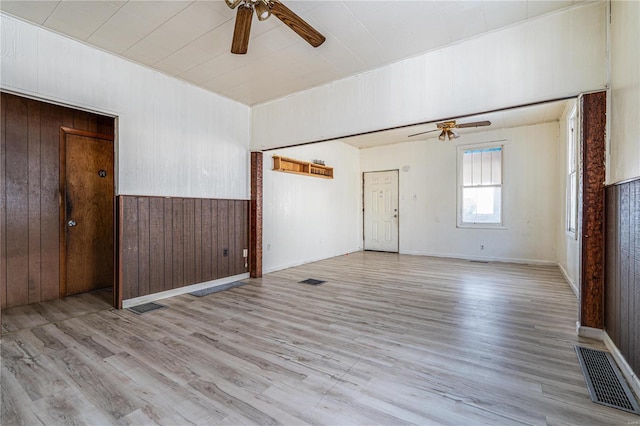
605	381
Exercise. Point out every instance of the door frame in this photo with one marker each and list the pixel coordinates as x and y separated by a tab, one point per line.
363	207
64	131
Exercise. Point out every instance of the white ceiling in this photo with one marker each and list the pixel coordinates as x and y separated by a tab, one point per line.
191	40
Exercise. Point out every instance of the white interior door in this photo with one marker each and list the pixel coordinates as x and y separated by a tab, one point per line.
381	211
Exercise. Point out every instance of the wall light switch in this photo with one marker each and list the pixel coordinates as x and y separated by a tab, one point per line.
245	252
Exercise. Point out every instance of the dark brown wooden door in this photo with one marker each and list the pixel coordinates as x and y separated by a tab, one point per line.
88	214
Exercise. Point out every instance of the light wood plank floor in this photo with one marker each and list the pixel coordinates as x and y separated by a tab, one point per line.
389	339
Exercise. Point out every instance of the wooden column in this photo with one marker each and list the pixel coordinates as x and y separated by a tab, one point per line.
255	217
593	133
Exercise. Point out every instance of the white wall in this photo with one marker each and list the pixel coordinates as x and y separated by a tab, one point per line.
307	218
428	223
625	91
568	244
173	139
554	56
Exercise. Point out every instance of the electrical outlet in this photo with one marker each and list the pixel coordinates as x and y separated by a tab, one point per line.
225	252
268	247
481	247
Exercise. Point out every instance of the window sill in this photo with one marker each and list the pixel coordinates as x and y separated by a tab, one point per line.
481	226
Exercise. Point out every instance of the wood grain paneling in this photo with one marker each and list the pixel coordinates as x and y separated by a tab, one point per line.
223	238
176	242
34	203
30	195
128	222
593	142
623	269
144	246
156	245
197	249
51	119
214	240
168	243
206	240
17	187
189	260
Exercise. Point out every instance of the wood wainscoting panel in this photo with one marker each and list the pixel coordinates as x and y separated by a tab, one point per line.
223	238
156	245
128	246
178	243
189	260
169	243
206	240
623	269
30	195
215	271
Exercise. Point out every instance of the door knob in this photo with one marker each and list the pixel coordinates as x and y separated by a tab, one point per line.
72	223
395	215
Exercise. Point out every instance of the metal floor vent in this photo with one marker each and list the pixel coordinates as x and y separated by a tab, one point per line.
210	290
606	384
312	281
145	307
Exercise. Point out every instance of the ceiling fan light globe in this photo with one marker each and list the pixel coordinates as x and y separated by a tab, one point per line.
442	135
454	134
262	11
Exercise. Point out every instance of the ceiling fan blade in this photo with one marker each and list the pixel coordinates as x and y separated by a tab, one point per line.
474	124
297	24
242	30
422	133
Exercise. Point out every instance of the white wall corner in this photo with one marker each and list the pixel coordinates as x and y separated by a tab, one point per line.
573	285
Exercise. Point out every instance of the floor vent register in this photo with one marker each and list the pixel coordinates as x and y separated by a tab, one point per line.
145	307
605	381
312	281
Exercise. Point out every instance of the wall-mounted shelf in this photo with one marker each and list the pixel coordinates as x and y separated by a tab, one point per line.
289	165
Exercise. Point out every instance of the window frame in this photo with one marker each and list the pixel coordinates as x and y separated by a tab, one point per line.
460	185
572	175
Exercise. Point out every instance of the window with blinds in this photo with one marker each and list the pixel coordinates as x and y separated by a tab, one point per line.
480	185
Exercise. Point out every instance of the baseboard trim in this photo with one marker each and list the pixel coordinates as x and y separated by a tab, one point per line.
484	258
589	332
632	378
182	290
569	280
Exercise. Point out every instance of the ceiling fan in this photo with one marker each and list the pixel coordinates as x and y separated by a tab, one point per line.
264	9
446	128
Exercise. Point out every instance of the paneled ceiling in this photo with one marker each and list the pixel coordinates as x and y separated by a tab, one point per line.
191	40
